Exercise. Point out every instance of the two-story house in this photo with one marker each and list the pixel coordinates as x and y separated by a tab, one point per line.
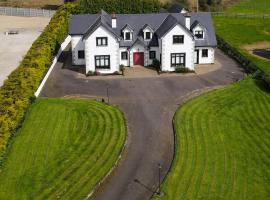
102	42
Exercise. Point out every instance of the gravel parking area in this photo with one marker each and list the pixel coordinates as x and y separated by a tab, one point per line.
14	47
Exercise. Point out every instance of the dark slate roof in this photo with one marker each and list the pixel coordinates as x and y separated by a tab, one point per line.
161	23
205	20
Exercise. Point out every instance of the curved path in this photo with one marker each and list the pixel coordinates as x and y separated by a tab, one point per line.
149	105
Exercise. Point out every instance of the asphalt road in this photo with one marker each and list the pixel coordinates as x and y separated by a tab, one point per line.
149	105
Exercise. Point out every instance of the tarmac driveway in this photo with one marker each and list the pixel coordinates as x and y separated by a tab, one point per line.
149	105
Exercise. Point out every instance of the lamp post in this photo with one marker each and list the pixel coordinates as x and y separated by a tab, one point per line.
108	97
159	173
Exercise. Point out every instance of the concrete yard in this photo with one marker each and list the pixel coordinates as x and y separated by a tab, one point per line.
14	47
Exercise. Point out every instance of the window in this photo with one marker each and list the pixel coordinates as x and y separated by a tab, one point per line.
152	54
102	41
178	39
178	59
205	53
147	35
102	62
128	36
81	54
199	34
124	55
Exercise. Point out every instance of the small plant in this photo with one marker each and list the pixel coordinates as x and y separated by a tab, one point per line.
182	69
90	73
122	69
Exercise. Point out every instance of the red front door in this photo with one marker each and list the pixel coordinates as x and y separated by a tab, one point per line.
138	58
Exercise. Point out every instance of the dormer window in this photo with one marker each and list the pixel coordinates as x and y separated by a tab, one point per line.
147	35
147	32
127	36
199	34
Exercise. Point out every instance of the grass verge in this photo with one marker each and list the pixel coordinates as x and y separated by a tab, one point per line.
223	146
64	148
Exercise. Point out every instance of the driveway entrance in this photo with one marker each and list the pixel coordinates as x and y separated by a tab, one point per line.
138	58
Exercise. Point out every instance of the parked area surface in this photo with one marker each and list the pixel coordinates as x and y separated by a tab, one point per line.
14	47
149	105
64	148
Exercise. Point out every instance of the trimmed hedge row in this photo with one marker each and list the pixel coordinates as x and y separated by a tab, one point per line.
17	93
248	65
120	6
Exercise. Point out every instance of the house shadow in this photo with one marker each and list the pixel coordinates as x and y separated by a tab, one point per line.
66	60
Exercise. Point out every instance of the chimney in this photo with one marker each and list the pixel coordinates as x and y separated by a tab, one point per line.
114	20
188	18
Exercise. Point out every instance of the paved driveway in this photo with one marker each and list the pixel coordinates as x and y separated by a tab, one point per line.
149	105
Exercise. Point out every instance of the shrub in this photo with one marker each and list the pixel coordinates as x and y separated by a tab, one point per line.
122	69
182	69
90	73
17	93
156	64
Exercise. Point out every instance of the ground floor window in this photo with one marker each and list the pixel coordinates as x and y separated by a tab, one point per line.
81	54
102	62
205	53
178	59
124	55
152	54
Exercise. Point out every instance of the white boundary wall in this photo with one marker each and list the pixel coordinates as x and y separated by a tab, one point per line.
63	46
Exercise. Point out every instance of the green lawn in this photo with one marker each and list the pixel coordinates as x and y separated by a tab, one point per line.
223	146
63	149
251	6
240	31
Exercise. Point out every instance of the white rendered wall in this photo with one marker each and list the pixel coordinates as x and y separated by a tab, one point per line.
92	50
168	47
211	55
76	45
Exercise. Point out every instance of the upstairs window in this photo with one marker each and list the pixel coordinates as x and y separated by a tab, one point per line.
102	41
178	39
205	53
199	34
81	54
147	35
128	36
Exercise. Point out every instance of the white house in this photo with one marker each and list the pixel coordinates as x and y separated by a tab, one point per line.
102	42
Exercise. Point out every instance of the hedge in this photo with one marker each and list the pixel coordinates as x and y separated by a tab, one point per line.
120	6
248	65
17	92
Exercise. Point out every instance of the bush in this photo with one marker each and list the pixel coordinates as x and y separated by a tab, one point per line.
182	69
122	69
90	73
17	93
156	64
